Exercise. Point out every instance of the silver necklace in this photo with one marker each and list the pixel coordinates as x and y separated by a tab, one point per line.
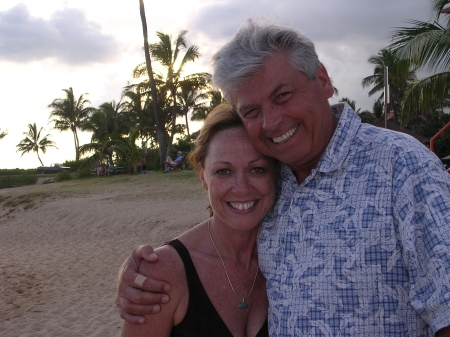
242	305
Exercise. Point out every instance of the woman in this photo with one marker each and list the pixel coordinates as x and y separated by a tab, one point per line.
228	298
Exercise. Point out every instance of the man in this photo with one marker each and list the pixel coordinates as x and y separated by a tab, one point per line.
169	163
358	241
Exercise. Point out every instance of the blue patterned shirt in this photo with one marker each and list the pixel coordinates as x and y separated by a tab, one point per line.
361	247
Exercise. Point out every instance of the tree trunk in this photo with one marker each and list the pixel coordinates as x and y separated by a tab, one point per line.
174	125
187	125
75	140
39	158
160	130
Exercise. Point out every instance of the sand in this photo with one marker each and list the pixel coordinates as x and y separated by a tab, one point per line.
61	246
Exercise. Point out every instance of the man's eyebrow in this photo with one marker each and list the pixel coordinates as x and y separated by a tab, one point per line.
246	107
272	93
275	91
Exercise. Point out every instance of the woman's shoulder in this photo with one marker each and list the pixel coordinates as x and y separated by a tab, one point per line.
168	267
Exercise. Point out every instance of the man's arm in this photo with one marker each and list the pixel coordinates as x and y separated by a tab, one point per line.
170	268
422	207
135	301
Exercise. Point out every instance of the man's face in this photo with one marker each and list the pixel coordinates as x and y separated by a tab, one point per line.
287	115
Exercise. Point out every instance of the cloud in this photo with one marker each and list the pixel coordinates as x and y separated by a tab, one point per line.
345	32
67	36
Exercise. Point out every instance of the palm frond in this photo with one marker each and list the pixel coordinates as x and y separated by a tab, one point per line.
425	44
427	93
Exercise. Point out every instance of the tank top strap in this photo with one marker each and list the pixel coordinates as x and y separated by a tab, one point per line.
191	273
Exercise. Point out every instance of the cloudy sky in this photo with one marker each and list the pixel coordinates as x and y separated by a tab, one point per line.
93	45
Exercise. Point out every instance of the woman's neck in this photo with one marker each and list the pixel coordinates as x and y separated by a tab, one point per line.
233	244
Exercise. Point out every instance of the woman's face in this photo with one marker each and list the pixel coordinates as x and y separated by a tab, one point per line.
240	181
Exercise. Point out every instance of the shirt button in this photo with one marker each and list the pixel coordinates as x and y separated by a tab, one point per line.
290	257
286	303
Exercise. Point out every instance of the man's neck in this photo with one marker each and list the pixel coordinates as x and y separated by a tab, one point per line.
301	175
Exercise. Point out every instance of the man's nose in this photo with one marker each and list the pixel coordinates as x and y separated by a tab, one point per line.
271	118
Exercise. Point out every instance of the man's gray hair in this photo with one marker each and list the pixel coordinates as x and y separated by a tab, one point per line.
237	61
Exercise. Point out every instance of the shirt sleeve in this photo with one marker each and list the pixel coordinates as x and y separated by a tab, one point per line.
422	215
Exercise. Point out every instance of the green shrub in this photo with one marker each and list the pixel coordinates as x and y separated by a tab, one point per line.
152	158
85	172
16	171
9	180
63	176
73	164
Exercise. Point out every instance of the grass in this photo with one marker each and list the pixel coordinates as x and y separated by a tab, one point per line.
26	201
16	180
118	187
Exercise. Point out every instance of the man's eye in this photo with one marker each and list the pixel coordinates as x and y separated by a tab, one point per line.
251	113
284	96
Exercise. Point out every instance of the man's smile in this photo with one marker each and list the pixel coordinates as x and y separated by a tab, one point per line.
285	137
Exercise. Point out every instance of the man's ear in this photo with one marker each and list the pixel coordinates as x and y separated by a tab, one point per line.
322	75
202	177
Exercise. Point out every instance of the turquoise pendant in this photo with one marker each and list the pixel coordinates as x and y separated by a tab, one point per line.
243	305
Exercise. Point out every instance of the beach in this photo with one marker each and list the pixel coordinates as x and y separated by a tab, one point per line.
62	244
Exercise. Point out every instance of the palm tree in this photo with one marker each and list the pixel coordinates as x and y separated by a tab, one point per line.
105	124
69	114
427	45
167	52
3	133
138	113
350	102
192	95
160	126
400	73
377	109
215	98
34	142
126	147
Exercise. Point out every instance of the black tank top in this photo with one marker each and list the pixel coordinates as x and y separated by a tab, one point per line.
201	319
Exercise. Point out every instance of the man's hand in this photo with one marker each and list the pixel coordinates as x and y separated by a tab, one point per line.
133	300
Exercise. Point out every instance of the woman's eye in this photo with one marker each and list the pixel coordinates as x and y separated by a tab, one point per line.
258	170
222	172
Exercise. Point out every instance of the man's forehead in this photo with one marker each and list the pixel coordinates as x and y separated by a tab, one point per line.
252	96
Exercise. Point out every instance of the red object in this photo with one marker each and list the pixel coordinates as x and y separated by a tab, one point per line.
437	135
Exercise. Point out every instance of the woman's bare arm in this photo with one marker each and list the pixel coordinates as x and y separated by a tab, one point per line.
169	268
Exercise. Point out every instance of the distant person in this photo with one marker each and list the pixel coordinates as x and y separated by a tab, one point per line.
137	165
109	170
169	163
144	165
99	170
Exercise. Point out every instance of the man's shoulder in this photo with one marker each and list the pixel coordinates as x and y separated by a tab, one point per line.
390	140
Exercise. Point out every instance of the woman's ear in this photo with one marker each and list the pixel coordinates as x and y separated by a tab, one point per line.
202	177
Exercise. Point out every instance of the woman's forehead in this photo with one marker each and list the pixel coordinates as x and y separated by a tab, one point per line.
234	144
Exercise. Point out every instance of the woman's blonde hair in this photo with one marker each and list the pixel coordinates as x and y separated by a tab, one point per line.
220	118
